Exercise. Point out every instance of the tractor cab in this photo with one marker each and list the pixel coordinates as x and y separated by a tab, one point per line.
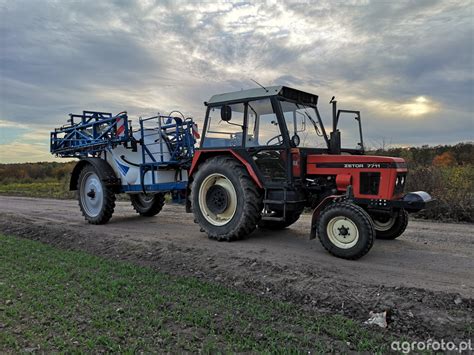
276	116
263	125
263	121
275	129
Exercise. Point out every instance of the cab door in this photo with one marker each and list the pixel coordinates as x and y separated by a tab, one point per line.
266	141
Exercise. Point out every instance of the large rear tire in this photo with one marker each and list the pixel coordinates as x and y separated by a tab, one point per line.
345	230
147	205
96	200
225	201
390	227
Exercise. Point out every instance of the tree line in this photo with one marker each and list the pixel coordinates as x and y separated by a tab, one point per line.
444	171
441	155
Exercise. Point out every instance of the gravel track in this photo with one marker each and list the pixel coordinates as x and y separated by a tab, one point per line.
424	279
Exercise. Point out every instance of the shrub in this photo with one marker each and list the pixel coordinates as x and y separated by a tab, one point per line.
452	186
445	159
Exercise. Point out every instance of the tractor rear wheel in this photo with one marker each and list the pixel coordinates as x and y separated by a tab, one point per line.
291	218
390	227
147	205
345	230
225	201
96	200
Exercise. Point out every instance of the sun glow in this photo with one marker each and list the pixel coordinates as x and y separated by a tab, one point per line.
419	106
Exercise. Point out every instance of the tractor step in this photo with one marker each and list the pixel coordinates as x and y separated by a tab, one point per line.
274	202
267	201
271	218
282	202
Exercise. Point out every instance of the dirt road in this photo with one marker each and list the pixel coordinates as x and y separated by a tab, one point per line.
424	279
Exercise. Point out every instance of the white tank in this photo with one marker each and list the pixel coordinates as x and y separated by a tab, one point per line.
126	163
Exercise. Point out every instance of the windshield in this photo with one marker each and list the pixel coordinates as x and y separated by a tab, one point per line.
302	121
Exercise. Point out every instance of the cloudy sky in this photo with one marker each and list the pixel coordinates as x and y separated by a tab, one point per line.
408	66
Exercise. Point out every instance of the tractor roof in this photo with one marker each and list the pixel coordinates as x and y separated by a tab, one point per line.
258	93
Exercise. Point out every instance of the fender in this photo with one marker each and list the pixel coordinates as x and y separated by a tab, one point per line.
201	155
317	211
104	170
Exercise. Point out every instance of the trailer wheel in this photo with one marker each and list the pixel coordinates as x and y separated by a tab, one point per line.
291	218
147	205
225	201
345	230
390	227
96	200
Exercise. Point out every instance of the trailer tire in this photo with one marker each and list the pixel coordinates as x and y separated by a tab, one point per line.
291	218
147	205
225	201
96	199
345	230
391	228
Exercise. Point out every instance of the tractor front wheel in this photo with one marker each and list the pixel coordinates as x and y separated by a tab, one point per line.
345	230
96	200
225	201
390	227
147	205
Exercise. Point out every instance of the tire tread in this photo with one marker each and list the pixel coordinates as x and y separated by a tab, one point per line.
109	200
153	210
364	218
253	200
397	230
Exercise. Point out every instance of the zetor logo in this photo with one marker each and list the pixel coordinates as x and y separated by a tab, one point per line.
360	165
353	165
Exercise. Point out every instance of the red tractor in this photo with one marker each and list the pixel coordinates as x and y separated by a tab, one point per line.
265	156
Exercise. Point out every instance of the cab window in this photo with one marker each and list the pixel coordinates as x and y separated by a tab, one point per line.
263	128
225	126
302	123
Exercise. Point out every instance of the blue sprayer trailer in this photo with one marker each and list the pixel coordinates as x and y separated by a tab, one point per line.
145	163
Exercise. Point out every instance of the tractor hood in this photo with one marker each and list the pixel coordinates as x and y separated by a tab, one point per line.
371	177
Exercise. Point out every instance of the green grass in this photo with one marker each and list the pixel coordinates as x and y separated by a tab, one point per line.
56	300
45	189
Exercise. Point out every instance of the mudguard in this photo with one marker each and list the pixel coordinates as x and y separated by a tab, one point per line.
317	212
201	155
104	170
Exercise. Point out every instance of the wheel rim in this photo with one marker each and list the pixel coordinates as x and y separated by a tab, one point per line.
217	199
145	200
92	195
342	232
383	226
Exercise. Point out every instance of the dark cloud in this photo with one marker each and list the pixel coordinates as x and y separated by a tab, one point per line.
59	57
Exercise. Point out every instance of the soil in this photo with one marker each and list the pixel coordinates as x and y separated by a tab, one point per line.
424	279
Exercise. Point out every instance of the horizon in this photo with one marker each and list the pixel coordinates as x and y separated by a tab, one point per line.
386	149
408	67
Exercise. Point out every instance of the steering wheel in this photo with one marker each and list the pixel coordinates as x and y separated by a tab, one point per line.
279	137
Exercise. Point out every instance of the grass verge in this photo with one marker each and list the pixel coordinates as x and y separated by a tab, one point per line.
56	300
43	189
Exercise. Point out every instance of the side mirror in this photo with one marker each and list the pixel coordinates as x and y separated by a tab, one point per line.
226	113
295	140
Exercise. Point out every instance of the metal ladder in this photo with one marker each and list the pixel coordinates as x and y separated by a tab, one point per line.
267	216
